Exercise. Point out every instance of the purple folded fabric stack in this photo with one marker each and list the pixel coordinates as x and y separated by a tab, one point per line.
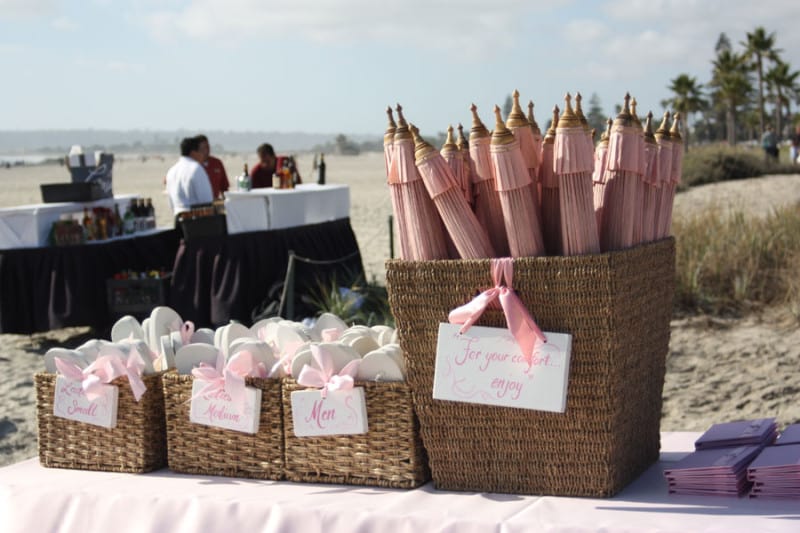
718	466
760	432
775	473
714	472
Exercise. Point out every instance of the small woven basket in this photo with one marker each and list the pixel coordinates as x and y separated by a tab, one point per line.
616	305
199	449
390	454
137	444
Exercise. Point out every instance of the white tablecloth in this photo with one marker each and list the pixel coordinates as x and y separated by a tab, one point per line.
265	209
33	498
28	226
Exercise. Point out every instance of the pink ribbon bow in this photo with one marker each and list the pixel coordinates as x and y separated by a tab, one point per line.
519	320
220	378
322	377
103	370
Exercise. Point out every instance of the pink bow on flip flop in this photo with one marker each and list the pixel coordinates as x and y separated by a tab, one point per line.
323	377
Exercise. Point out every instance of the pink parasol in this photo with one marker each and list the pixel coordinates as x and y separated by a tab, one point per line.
425	232
584	122
513	182
599	174
487	200
520	126
537	150
664	164
454	159
466	168
395	189
650	179
675	174
638	206
573	165
623	175
466	232
551	210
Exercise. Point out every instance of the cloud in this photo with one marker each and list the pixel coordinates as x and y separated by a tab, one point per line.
468	26
64	24
26	8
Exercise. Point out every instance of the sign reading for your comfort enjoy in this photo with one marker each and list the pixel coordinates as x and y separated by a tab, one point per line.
486	366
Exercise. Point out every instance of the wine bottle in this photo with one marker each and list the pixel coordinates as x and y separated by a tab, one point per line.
88	225
150	213
321	170
118	228
245	183
129	222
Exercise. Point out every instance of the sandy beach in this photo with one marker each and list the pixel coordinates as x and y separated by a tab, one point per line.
717	369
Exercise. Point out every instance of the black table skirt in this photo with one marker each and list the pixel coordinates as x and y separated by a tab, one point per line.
219	279
55	287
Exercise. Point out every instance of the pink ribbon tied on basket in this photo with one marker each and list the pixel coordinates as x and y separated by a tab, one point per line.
518	319
221	379
323	377
104	370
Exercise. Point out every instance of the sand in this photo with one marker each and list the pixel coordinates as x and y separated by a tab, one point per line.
717	370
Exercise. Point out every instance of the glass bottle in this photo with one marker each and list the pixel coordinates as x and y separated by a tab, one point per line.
321	170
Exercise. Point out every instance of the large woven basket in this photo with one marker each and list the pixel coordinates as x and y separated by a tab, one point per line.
199	449
137	443
616	305
390	454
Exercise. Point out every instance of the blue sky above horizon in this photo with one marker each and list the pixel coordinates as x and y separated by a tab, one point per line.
332	66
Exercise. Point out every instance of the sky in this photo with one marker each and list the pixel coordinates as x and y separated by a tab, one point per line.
330	66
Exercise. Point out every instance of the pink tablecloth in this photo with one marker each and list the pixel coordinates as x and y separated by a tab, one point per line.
38	499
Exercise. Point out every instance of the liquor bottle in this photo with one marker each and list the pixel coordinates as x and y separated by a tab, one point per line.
88	224
245	183
129	221
118	229
321	170
150	214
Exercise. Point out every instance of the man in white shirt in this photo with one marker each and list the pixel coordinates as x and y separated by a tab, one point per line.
187	181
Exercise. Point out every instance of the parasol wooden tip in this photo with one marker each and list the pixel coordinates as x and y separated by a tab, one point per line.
626	108
674	131
390	117
648	128
663	128
449	143
462	140
400	118
498	117
478	129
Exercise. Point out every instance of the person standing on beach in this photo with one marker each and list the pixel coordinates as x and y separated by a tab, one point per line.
261	173
795	148
187	181
214	168
770	144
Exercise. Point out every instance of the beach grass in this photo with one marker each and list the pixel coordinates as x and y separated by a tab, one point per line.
729	262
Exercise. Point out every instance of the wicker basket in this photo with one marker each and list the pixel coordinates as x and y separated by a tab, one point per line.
137	443
390	454
616	305
199	449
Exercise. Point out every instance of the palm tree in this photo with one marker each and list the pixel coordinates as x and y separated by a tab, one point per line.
760	46
784	87
731	83
687	99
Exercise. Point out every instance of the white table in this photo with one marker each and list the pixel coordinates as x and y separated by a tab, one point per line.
28	226
266	209
33	498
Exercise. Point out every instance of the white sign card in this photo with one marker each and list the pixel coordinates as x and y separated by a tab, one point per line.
70	402
486	366
341	412
216	409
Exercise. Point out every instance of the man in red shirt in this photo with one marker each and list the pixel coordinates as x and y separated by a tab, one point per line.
261	173
214	168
